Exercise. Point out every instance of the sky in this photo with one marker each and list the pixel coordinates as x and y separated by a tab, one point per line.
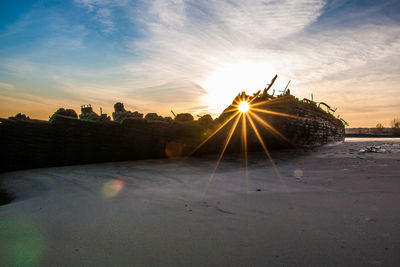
196	56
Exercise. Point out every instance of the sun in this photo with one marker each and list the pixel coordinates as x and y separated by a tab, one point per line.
222	84
244	106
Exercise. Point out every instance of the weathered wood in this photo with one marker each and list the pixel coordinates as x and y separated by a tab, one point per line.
270	85
67	141
284	91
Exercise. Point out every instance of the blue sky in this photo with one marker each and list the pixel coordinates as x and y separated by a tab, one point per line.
195	56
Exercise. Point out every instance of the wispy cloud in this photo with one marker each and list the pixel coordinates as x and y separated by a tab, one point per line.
188	40
18	26
202	53
246	42
6	86
101	11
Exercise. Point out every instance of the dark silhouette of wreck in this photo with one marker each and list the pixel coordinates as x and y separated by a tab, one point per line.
67	140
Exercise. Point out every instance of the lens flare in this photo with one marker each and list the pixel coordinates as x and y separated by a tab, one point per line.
21	242
112	188
244	106
173	150
298	173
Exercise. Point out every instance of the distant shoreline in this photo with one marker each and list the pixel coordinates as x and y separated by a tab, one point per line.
372	132
371	135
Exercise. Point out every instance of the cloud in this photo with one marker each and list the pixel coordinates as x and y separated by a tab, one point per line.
18	27
186	53
6	86
206	52
217	29
247	42
101	11
319	56
190	40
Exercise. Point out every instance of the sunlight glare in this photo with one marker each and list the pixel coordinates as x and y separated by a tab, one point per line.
244	106
223	84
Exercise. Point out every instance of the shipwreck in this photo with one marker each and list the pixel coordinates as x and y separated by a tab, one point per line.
252	123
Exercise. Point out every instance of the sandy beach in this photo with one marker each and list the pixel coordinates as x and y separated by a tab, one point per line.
329	206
